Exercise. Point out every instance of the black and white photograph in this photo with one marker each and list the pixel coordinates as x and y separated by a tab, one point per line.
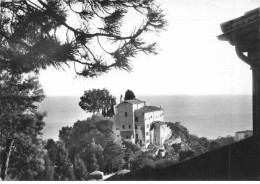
129	90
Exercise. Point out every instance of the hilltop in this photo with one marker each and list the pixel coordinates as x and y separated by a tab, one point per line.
91	145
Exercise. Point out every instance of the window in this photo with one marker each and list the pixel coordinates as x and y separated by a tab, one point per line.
123	126
147	126
136	119
127	137
117	135
135	127
116	128
147	133
125	114
136	136
147	141
129	126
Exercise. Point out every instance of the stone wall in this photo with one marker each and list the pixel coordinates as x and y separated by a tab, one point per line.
125	118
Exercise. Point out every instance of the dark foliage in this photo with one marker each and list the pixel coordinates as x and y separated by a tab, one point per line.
80	169
198	145
31	39
97	100
183	155
214	145
179	130
21	126
176	147
225	140
129	95
30	34
131	152
86	142
142	160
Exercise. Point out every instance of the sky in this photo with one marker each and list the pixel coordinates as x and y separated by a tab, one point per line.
191	60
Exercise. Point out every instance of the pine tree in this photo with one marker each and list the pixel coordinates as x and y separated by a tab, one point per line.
129	95
21	125
97	100
30	34
63	167
49	169
80	169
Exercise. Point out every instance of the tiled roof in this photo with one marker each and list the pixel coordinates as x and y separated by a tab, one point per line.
244	131
148	109
133	101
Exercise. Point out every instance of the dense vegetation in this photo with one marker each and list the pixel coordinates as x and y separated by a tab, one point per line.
35	35
91	145
21	125
31	40
97	100
88	146
192	145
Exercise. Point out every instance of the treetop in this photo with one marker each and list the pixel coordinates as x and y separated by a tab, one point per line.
31	34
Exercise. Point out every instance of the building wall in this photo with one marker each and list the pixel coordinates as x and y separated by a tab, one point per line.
128	119
243	135
161	134
165	133
149	118
124	118
144	123
116	129
140	131
138	106
157	132
152	137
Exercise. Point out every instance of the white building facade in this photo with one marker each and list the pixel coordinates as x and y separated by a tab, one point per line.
133	121
161	132
243	135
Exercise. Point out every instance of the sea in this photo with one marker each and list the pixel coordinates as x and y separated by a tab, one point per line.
205	116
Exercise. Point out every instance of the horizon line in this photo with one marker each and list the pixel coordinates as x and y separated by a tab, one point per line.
76	95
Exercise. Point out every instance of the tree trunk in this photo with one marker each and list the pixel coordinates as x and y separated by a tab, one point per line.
6	156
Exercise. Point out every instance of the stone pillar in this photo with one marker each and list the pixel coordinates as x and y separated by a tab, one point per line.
252	60
256	101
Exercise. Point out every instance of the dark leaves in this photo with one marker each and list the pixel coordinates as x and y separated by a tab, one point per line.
156	19
29	34
96	100
113	22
